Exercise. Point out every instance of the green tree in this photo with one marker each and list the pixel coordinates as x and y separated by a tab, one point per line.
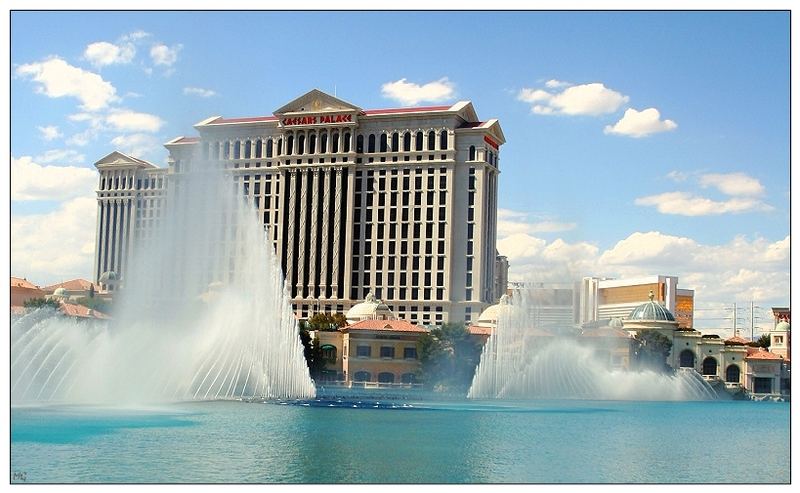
326	321
763	341
313	353
653	349
35	303
449	357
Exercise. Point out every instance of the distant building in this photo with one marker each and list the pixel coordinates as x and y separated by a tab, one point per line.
600	299
500	276
23	290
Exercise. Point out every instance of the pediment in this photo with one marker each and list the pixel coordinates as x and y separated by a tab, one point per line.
117	158
315	101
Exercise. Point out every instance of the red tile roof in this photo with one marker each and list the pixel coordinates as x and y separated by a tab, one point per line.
417	109
81	311
187	140
737	341
388	325
244	120
72	285
761	353
479	331
22	283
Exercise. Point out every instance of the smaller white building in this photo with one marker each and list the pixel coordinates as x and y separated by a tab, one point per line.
369	309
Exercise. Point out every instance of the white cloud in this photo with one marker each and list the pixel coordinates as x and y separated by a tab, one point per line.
103	53
165	55
678	176
741	270
62	156
554	84
197	91
50	132
511	222
687	204
584	99
57	245
57	79
136	144
32	181
640	123
409	94
131	121
732	183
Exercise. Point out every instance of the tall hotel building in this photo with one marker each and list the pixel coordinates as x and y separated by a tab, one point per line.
399	202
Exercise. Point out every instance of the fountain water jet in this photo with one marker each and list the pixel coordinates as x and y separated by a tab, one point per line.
204	314
520	362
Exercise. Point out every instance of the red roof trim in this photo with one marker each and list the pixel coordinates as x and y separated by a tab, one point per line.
417	109
187	140
251	119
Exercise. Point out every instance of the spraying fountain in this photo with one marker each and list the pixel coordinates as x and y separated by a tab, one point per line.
520	361
204	314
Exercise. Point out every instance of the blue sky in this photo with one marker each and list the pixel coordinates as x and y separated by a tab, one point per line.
637	143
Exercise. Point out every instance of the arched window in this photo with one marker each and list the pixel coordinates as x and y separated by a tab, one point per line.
407	141
206	150
360	144
408	378
418	143
290	145
443	140
472	153
371	143
386	377
361	376
301	143
237	150
709	366
227	151
269	148
395	142
732	374
491	157
248	149
335	142
258	148
312	143
216	150
686	359
346	142
329	353
431	140
280	147
383	142
323	143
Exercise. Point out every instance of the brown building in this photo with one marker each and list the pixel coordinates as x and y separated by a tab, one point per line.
23	290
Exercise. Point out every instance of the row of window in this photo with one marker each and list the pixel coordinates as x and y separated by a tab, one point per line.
301	144
491	158
365	351
126	182
384	377
417	294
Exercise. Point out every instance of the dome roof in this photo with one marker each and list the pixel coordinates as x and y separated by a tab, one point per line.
781	327
60	292
615	323
108	276
651	311
367	308
490	315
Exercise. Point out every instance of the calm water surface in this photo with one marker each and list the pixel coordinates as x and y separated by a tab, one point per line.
435	442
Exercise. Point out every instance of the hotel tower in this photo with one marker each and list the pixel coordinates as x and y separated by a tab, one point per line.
399	202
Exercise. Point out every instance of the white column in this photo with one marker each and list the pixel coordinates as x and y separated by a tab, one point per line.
314	209
117	235
324	260
301	244
98	241
337	201
290	259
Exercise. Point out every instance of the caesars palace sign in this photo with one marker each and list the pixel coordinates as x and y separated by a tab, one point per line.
316	120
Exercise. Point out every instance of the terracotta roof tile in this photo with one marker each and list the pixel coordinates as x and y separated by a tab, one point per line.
736	340
479	331
389	325
250	119
72	285
22	283
761	353
81	311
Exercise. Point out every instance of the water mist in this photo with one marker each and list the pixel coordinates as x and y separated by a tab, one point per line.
203	314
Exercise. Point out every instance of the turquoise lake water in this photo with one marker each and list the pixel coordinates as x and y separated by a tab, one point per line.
405	442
